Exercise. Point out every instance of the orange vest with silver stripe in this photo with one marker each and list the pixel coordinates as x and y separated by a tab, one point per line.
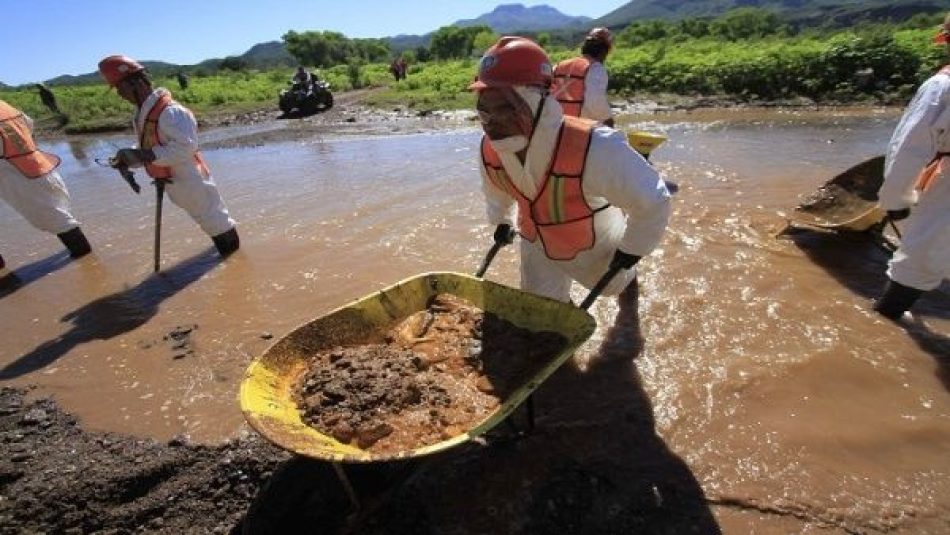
559	215
569	84
149	137
18	146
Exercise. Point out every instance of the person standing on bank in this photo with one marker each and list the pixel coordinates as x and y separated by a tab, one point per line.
48	98
30	183
168	149
917	188
585	201
580	84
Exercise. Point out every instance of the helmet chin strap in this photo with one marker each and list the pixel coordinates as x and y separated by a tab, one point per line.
536	118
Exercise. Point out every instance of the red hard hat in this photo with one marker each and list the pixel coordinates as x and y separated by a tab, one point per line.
116	68
513	61
601	34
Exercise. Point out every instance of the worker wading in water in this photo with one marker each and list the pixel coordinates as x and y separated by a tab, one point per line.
917	188
168	149
580	84
584	201
30	183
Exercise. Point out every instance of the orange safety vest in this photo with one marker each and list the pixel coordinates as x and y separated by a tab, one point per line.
149	137
569	84
18	146
559	215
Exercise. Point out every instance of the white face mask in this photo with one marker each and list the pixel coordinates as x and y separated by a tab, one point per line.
509	144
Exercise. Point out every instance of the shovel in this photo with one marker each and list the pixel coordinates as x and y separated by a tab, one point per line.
159	197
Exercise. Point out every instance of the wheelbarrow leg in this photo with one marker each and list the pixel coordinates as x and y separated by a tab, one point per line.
516	430
347	486
529	406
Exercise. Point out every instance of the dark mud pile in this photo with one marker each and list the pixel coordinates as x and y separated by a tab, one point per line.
57	478
441	371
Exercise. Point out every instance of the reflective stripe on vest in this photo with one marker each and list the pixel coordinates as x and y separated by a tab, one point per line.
569	84
559	215
18	146
150	137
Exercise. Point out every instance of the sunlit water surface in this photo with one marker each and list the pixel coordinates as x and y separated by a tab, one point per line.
767	371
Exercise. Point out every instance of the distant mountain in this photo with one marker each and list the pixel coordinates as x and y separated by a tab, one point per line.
508	18
268	54
260	56
154	67
806	12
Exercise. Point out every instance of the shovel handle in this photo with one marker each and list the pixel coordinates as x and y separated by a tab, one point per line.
599	287
159	196
896	231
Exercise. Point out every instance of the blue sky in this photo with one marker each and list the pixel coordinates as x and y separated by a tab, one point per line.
42	39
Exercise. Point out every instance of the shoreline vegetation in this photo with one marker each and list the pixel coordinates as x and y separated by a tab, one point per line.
675	65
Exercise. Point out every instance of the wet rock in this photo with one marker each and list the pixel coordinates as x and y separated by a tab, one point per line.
34	417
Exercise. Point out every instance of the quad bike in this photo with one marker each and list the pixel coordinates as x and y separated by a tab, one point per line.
306	98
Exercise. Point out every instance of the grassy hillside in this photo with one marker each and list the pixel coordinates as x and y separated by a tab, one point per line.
880	63
804	12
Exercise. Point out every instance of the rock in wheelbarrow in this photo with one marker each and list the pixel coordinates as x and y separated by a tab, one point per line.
433	375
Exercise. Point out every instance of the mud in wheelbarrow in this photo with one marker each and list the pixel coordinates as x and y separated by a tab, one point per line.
266	392
847	205
847	202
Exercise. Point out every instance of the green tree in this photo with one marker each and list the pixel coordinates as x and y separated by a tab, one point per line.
450	42
745	23
326	49
544	39
422	54
483	40
233	63
641	32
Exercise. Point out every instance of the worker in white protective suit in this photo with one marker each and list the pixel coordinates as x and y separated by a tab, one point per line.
30	183
580	84
585	201
917	187
168	149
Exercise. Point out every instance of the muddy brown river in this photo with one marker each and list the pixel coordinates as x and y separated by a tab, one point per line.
763	368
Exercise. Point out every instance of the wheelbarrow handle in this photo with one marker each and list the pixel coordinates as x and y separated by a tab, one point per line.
599	287
489	257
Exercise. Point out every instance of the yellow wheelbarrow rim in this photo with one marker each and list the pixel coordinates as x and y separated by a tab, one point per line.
266	389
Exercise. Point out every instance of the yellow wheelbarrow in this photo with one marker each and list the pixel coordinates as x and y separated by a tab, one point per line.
266	391
645	142
847	203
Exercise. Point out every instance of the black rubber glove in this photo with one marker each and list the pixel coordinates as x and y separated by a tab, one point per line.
897	215
623	260
132	157
504	234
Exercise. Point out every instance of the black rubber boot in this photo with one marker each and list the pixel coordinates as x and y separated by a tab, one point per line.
76	242
227	242
896	300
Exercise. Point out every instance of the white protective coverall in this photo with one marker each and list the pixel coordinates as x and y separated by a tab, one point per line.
596	106
43	201
615	174
923	258
189	190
